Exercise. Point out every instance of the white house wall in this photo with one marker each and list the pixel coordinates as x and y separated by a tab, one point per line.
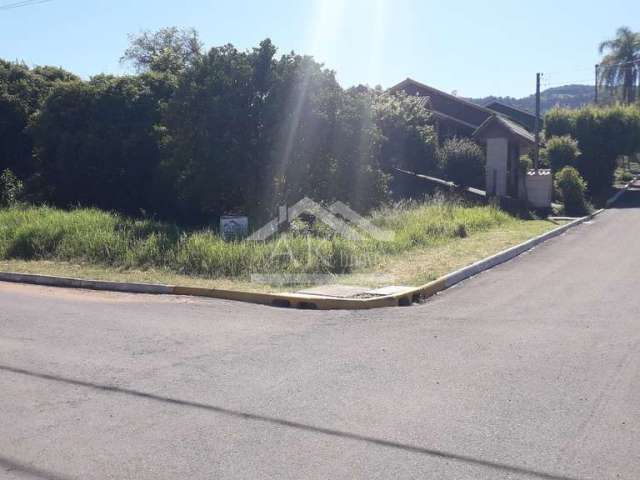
497	158
540	189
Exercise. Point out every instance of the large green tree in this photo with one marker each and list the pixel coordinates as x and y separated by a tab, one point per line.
246	131
408	130
620	67
213	133
168	50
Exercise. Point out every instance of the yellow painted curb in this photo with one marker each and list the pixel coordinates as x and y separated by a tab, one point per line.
294	300
432	288
317	302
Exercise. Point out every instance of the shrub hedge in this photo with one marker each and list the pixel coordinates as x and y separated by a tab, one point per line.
561	152
603	135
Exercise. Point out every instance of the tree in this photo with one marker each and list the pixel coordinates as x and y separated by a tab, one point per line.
248	132
621	66
562	152
169	50
409	134
326	143
197	135
10	188
22	93
462	161
214	155
96	142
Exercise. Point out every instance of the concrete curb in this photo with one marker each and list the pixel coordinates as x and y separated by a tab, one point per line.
274	299
314	302
487	263
506	255
52	281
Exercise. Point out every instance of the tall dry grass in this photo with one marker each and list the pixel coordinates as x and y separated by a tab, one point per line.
102	238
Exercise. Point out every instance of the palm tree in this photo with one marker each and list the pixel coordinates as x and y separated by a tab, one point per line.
621	65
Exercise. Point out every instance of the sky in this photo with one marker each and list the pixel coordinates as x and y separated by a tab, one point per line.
471	47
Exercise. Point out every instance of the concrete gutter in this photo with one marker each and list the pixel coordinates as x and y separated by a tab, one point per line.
315	302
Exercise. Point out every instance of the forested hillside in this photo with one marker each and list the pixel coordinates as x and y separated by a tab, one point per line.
567	96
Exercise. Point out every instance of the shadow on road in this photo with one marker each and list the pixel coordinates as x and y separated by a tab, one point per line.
10	465
629	199
291	424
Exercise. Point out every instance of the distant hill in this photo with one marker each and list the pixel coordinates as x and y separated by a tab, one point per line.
569	96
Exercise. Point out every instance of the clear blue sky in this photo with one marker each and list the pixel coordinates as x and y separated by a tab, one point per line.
474	47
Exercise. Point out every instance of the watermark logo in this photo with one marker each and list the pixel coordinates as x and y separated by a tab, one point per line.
338	216
309	263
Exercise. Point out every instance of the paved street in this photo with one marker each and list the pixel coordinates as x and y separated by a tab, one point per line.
530	370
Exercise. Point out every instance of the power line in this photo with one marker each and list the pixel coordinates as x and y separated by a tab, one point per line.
569	70
7	4
23	3
583	69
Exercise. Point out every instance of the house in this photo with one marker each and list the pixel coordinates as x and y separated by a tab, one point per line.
455	116
505	141
505	132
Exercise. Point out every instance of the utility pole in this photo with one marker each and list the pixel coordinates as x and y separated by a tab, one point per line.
596	84
536	152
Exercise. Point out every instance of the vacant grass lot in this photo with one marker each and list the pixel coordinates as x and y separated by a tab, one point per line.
430	239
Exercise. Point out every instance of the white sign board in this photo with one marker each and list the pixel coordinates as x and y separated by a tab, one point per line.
234	227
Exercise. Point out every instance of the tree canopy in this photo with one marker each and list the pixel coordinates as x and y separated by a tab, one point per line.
194	134
169	50
620	67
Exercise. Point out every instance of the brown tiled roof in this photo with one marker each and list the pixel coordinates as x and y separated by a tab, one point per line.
448	105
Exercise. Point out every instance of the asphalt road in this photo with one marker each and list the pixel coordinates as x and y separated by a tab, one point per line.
530	370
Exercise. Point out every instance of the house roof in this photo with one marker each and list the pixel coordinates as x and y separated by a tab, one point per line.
450	106
523	117
504	123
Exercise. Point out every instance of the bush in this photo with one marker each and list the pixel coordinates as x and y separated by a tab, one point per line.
571	188
562	152
559	122
626	176
10	188
462	162
603	135
525	164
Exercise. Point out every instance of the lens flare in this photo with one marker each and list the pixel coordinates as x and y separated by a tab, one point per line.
326	41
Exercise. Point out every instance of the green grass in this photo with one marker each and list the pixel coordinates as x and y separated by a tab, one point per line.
112	246
422	265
